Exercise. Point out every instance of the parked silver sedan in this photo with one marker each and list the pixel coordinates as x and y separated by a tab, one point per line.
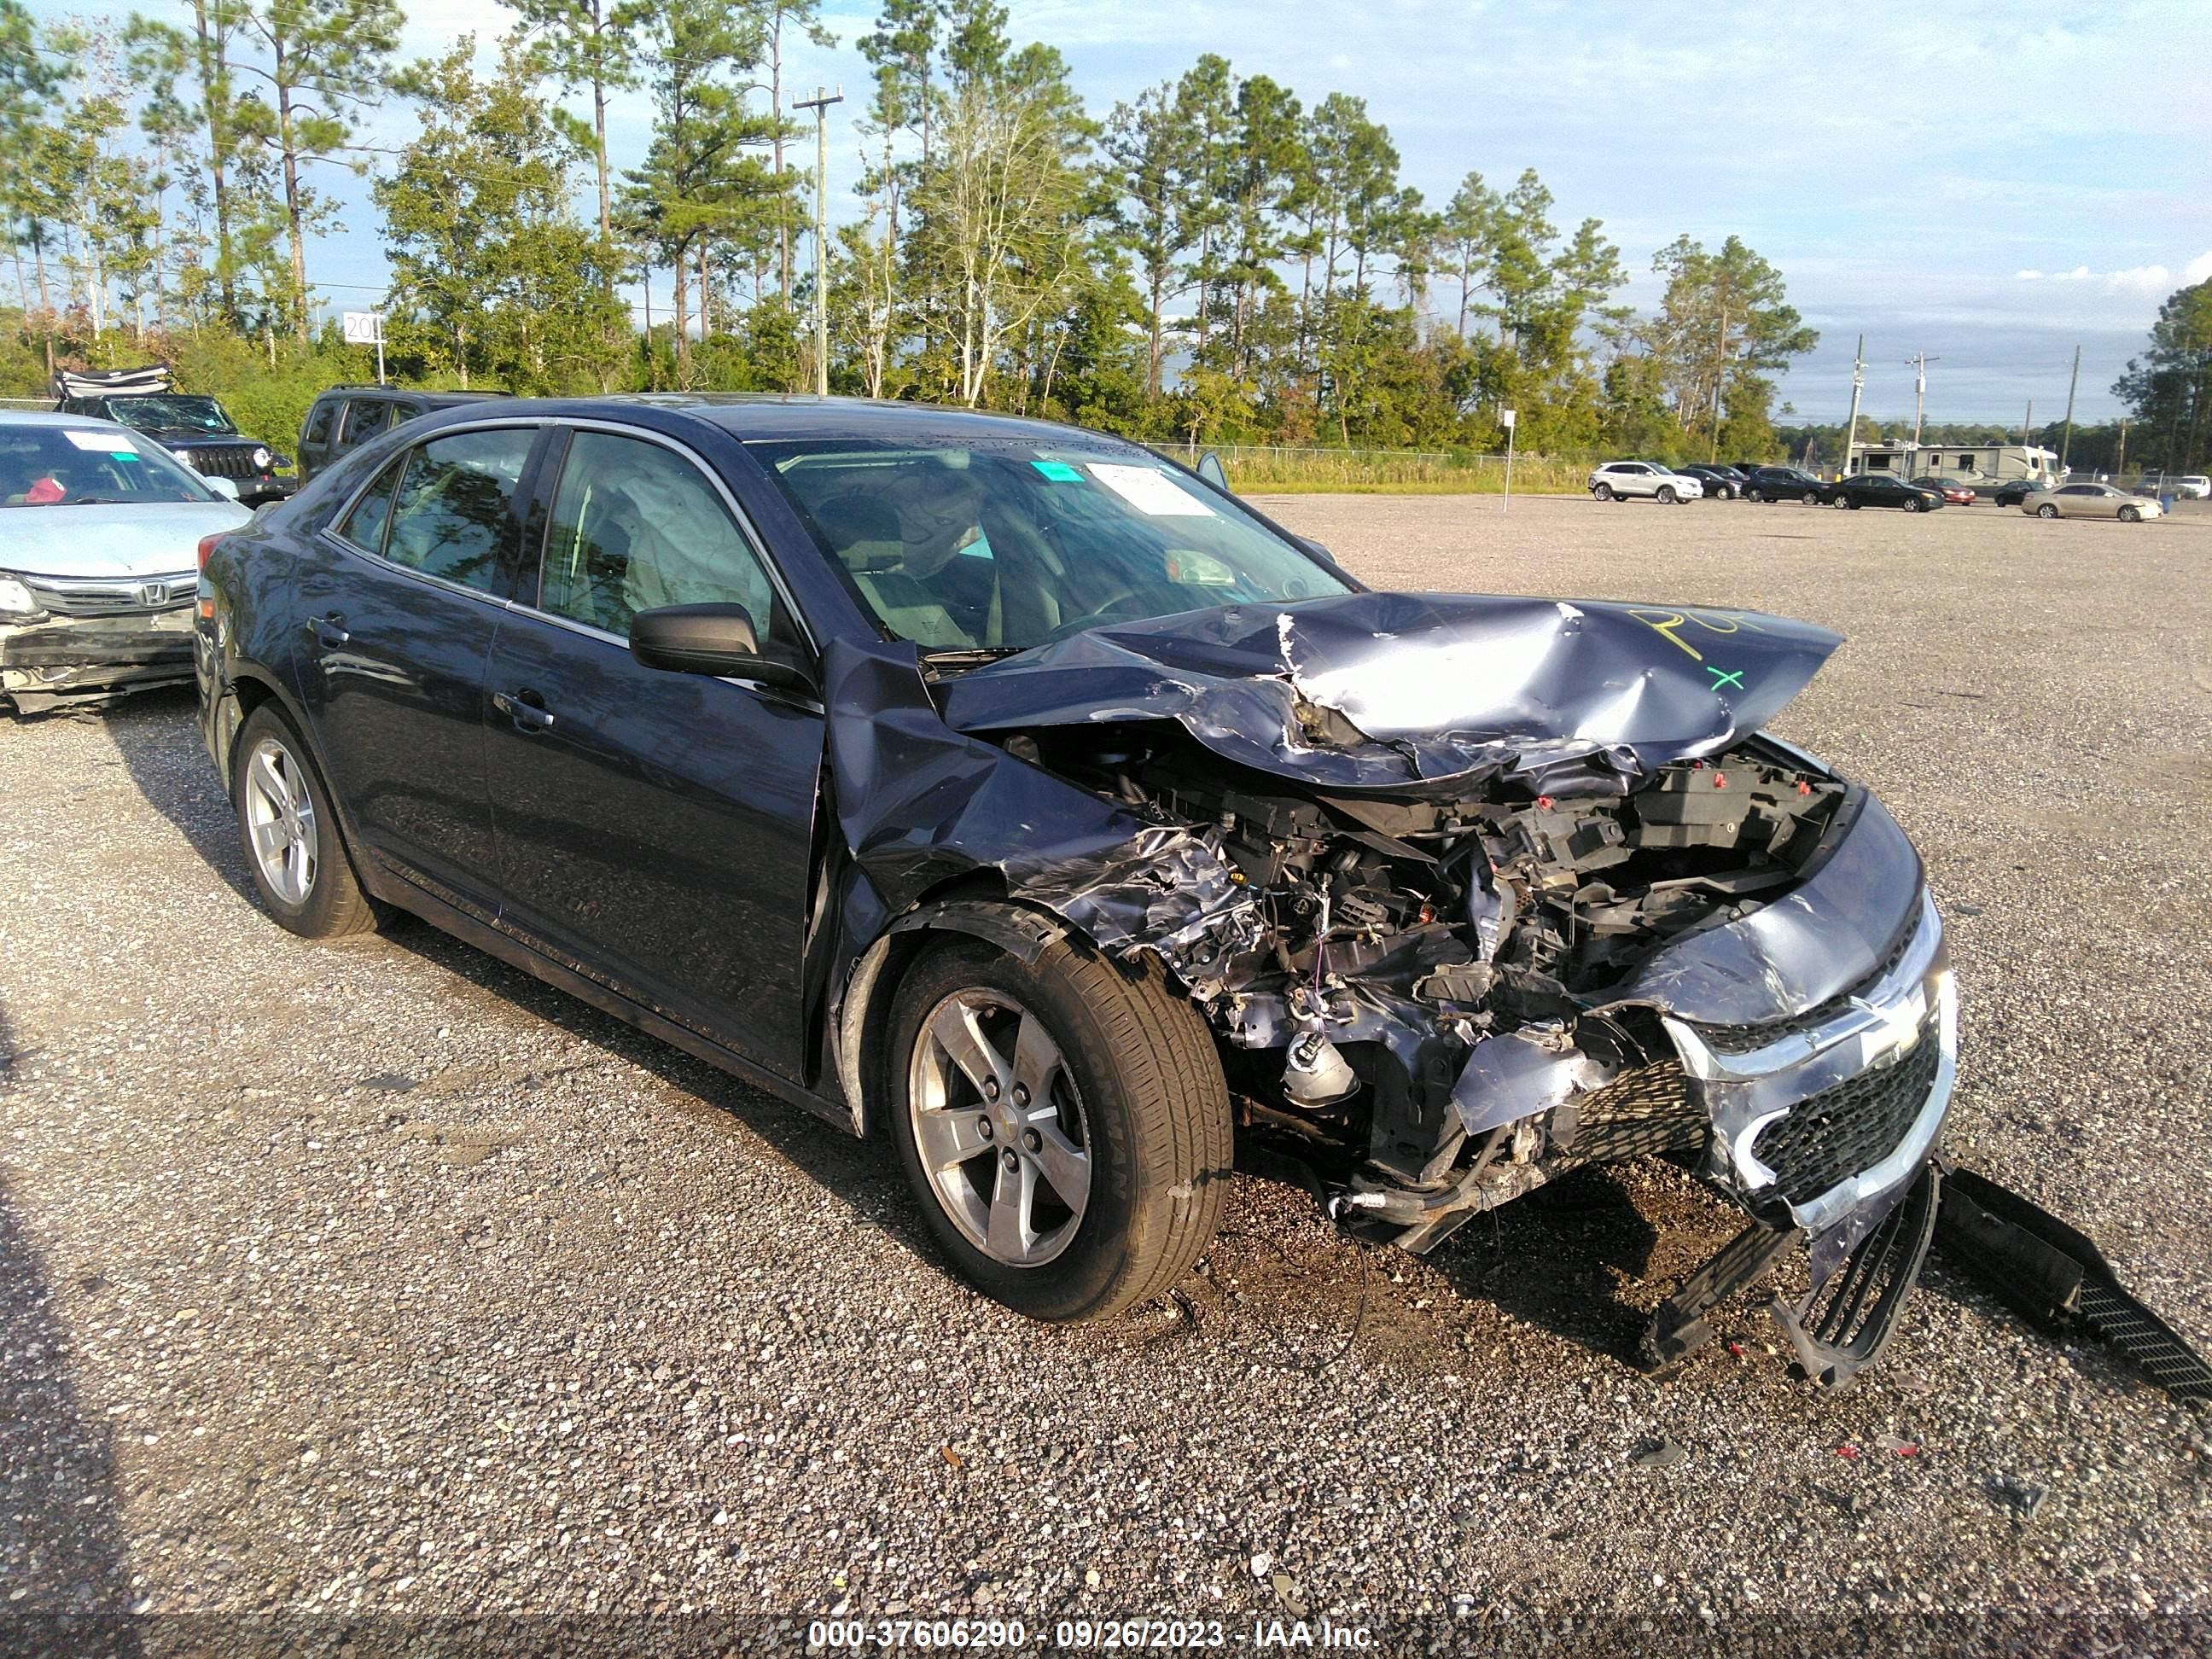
2089	501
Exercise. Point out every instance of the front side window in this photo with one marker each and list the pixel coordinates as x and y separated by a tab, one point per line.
76	466
1002	546
452	516
636	526
318	423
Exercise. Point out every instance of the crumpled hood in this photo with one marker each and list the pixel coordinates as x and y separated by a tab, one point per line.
153	538
1439	690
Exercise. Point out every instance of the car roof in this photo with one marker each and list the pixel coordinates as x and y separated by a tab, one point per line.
764	417
441	400
53	417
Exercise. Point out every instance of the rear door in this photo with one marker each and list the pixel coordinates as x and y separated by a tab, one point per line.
656	828
400	598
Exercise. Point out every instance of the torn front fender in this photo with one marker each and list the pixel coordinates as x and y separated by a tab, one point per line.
919	806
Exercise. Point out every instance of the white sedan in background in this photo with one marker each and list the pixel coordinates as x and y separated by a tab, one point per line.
2089	501
100	533
1618	481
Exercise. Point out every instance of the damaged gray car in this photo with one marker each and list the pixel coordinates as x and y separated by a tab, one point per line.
1003	789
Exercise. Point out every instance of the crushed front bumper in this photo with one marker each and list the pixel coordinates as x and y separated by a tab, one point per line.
55	659
1822	1123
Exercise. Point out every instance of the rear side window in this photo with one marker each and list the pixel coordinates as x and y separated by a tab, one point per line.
364	526
453	517
636	526
365	418
319	419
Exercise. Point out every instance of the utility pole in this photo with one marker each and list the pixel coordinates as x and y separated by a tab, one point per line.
1851	431
1918	364
819	103
2120	461
2066	441
2027	424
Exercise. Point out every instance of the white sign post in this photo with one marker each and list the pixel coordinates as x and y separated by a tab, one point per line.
367	328
1505	420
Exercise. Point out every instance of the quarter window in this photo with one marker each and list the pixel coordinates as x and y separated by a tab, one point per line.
453	516
319	424
636	526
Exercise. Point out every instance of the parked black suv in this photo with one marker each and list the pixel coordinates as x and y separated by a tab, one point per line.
197	430
346	416
1784	483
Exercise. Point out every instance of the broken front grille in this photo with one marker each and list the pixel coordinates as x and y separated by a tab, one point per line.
229	462
1826	1139
1646	1111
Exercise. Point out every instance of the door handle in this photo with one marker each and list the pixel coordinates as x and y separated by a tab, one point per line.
329	629
526	708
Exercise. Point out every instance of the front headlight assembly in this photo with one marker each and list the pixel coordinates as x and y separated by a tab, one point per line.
15	599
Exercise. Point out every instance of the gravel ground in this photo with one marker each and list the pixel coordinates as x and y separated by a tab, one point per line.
379	1280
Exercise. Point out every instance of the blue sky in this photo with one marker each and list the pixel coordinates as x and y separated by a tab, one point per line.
1991	193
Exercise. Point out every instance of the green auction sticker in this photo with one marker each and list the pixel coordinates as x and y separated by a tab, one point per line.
1058	471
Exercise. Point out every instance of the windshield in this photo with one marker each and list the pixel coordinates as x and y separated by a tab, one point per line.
169	413
73	466
1003	547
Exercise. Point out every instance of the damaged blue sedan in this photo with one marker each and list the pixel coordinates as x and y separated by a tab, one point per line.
1000	788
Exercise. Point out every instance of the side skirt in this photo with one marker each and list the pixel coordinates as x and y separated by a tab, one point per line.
404	894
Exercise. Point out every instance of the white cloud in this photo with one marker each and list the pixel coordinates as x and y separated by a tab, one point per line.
2155	281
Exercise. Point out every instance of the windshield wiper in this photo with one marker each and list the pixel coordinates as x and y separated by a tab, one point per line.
90	501
971	656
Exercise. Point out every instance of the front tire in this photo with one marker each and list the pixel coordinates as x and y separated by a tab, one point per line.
1912	503
293	849
1063	1124
2131	516
1666	496
2047	511
1811	498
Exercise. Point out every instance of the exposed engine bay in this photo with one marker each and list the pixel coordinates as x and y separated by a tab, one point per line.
1393	937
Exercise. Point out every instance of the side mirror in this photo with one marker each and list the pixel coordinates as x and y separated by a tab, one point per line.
1209	468
710	638
222	487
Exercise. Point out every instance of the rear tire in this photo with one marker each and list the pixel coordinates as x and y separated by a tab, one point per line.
293	849
1128	1105
1603	492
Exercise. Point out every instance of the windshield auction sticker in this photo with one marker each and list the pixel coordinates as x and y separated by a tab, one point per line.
1151	493
106	443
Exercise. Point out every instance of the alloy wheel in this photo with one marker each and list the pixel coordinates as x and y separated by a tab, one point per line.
999	1126
280	817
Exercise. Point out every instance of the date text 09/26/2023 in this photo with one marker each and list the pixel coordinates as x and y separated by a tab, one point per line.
1093	1635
